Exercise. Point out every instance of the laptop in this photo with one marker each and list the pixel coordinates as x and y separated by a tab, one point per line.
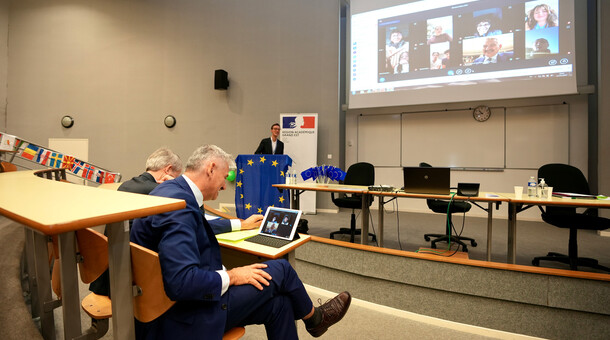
419	180
278	228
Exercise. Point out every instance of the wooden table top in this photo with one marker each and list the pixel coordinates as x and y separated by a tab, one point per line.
561	201
265	251
331	187
54	207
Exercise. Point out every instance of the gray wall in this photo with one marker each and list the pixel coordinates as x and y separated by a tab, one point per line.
3	60
119	67
604	100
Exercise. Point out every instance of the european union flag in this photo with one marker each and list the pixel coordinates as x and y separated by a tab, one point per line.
253	185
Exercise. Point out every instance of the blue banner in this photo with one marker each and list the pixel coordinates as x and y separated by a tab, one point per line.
253	185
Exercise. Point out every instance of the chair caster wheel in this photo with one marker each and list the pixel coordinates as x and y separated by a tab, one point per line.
427	238
433	246
465	249
535	263
474	244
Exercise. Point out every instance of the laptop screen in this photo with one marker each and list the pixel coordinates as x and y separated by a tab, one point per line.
280	223
421	180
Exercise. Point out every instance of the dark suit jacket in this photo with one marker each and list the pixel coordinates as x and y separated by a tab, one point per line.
501	57
265	147
144	184
189	255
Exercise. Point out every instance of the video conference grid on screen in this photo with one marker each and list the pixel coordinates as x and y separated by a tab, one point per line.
429	44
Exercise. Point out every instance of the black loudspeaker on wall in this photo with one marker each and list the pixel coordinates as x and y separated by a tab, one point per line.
221	80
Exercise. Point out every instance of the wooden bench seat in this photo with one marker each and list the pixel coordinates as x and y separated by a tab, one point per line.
150	300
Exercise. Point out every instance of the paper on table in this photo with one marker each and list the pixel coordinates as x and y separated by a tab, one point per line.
573	195
237	235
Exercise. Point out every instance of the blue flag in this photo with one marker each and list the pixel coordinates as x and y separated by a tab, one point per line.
307	174
253	185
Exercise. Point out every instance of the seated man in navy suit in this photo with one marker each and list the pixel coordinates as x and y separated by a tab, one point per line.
492	54
271	145
163	165
209	298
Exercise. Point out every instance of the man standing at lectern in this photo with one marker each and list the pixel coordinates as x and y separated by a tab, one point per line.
271	145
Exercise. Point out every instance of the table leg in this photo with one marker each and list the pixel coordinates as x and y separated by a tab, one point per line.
69	285
489	228
512	233
380	222
295	199
119	264
364	236
42	280
30	269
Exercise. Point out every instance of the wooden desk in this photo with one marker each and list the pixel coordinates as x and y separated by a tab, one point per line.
241	253
297	189
516	205
488	197
48	208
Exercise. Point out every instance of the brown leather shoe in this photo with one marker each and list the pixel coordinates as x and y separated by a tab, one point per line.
332	311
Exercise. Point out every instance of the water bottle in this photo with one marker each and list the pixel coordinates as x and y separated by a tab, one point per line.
531	187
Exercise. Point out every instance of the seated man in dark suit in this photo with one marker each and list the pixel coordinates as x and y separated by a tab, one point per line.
271	145
209	298
492	54
163	165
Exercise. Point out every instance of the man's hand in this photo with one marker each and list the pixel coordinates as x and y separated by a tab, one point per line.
252	274
252	222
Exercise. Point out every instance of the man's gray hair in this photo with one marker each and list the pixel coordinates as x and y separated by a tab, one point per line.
205	153
161	158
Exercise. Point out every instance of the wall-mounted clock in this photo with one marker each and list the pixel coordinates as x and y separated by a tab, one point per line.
481	113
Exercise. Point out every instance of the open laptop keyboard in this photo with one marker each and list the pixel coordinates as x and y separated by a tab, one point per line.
268	241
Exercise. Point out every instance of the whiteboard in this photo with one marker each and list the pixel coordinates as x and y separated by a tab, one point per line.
453	139
379	139
537	135
513	138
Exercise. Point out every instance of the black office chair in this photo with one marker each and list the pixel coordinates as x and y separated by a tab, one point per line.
441	206
357	174
566	178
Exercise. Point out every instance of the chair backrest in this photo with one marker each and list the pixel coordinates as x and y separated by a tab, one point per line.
360	174
146	270
145	267
93	248
56	174
6	167
564	178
